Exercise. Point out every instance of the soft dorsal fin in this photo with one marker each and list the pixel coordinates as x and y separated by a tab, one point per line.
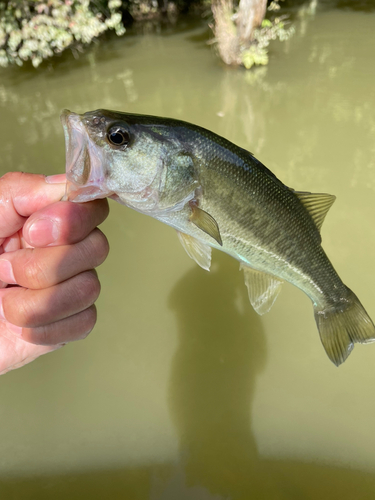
196	250
317	204
263	288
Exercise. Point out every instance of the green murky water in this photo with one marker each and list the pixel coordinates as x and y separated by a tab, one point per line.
182	392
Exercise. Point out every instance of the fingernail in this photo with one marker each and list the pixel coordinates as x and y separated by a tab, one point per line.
6	272
43	232
16	330
56	179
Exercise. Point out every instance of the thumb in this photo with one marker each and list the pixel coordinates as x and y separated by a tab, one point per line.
22	194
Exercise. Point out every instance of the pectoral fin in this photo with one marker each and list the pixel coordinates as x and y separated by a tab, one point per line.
196	250
263	289
204	221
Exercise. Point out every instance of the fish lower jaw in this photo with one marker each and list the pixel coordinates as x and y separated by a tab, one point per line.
88	192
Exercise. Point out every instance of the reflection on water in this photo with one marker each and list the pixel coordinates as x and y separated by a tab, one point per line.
182	391
358	5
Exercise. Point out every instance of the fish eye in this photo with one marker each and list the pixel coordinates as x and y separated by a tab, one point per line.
118	136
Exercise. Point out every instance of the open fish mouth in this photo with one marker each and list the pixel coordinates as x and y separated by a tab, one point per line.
84	162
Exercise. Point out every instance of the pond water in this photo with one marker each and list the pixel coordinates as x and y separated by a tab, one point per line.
182	391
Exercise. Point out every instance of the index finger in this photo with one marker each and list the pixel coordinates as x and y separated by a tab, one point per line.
64	222
22	194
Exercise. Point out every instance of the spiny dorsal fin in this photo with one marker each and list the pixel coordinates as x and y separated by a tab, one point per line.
263	288
317	204
205	222
196	250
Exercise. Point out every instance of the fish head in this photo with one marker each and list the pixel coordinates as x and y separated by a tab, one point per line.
121	156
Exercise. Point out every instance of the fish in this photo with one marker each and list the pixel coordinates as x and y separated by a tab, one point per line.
217	195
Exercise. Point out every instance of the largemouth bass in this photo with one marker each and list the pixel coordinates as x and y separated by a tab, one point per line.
217	195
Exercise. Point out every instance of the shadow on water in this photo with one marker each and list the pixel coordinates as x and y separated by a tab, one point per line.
221	351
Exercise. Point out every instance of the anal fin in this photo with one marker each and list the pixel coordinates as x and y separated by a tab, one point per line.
263	288
196	250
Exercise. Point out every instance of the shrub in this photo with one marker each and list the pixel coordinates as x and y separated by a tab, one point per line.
35	30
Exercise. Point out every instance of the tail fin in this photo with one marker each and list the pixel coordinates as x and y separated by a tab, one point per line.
342	325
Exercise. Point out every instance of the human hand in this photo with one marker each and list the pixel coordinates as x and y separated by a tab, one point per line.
48	252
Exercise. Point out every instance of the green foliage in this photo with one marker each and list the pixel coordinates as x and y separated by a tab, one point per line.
257	53
254	56
143	9
33	30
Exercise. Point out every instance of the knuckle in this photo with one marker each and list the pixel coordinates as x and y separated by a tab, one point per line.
95	247
104	248
101	245
102	210
89	288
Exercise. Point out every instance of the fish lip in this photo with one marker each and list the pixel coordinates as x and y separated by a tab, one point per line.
64	115
75	144
84	161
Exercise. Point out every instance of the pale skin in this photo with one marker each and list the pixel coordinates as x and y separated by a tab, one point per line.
48	253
